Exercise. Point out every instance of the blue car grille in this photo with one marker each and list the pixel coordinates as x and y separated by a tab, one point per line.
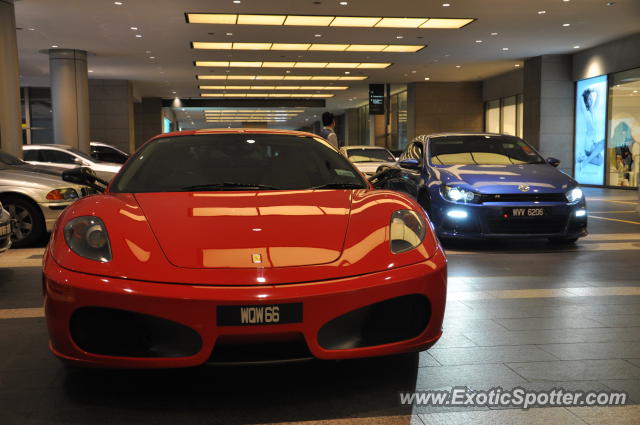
525	197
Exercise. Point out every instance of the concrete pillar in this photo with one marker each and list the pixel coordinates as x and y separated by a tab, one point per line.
549	107
434	107
148	119
70	97
10	115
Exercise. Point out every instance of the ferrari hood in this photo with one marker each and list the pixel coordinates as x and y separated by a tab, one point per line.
248	229
500	179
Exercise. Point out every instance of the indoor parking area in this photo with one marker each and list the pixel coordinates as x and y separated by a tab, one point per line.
320	212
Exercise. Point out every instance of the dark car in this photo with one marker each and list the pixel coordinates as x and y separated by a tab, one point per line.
493	186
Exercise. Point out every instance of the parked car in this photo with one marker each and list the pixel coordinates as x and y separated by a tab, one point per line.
241	246
107	153
484	185
368	159
5	229
68	157
34	201
11	161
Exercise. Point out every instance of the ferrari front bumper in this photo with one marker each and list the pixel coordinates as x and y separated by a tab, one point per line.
136	324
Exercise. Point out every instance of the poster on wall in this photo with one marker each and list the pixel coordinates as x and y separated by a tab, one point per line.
591	125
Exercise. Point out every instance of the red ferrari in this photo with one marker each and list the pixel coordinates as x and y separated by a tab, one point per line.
240	246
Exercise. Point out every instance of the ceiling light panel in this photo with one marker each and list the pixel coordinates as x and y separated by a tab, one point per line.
284	77
261	19
262	95
449	23
329	21
205	45
225	87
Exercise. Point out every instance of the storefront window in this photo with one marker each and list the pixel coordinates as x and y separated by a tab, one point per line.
492	116
623	141
504	116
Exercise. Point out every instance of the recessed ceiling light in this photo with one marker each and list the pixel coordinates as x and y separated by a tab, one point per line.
138	35
635	91
118	3
317	35
478	41
576	47
237	1
413	72
134	28
55	46
494	33
541	12
229	34
427	78
31	29
399	37
344	3
505	48
611	3
517	65
566	25
91	70
347	72
446	4
152	57
458	66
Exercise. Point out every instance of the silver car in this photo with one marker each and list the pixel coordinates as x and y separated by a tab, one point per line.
34	201
368	159
5	229
67	157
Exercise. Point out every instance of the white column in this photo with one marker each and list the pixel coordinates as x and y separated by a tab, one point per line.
10	115
70	97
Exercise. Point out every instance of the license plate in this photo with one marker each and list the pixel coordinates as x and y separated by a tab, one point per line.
5	230
256	315
528	212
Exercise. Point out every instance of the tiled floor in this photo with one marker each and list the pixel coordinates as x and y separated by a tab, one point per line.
524	314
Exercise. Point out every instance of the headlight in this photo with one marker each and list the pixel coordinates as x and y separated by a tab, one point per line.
66	194
456	194
407	231
574	195
87	236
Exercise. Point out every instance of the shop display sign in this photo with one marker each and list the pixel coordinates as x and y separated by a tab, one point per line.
591	119
376	99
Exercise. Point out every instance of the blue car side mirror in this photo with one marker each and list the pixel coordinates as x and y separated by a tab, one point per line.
410	164
553	161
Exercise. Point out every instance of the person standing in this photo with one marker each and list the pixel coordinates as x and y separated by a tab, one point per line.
328	132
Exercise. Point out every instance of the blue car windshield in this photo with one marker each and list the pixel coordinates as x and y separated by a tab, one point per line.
481	150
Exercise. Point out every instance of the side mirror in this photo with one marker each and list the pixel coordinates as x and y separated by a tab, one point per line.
78	161
553	161
84	176
410	164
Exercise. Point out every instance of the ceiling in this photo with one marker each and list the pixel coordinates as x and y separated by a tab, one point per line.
161	61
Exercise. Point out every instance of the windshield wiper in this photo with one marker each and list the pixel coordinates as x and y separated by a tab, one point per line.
224	185
339	186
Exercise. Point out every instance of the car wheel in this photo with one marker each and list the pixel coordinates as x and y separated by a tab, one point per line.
563	241
27	223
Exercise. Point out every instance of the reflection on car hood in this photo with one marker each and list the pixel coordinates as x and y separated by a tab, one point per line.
498	179
249	229
42	169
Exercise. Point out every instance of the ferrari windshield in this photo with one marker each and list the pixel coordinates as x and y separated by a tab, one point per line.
481	150
369	155
236	161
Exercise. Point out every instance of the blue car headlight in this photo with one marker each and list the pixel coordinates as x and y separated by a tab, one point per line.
574	195
457	194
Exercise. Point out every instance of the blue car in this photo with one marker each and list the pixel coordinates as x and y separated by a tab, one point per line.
480	186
